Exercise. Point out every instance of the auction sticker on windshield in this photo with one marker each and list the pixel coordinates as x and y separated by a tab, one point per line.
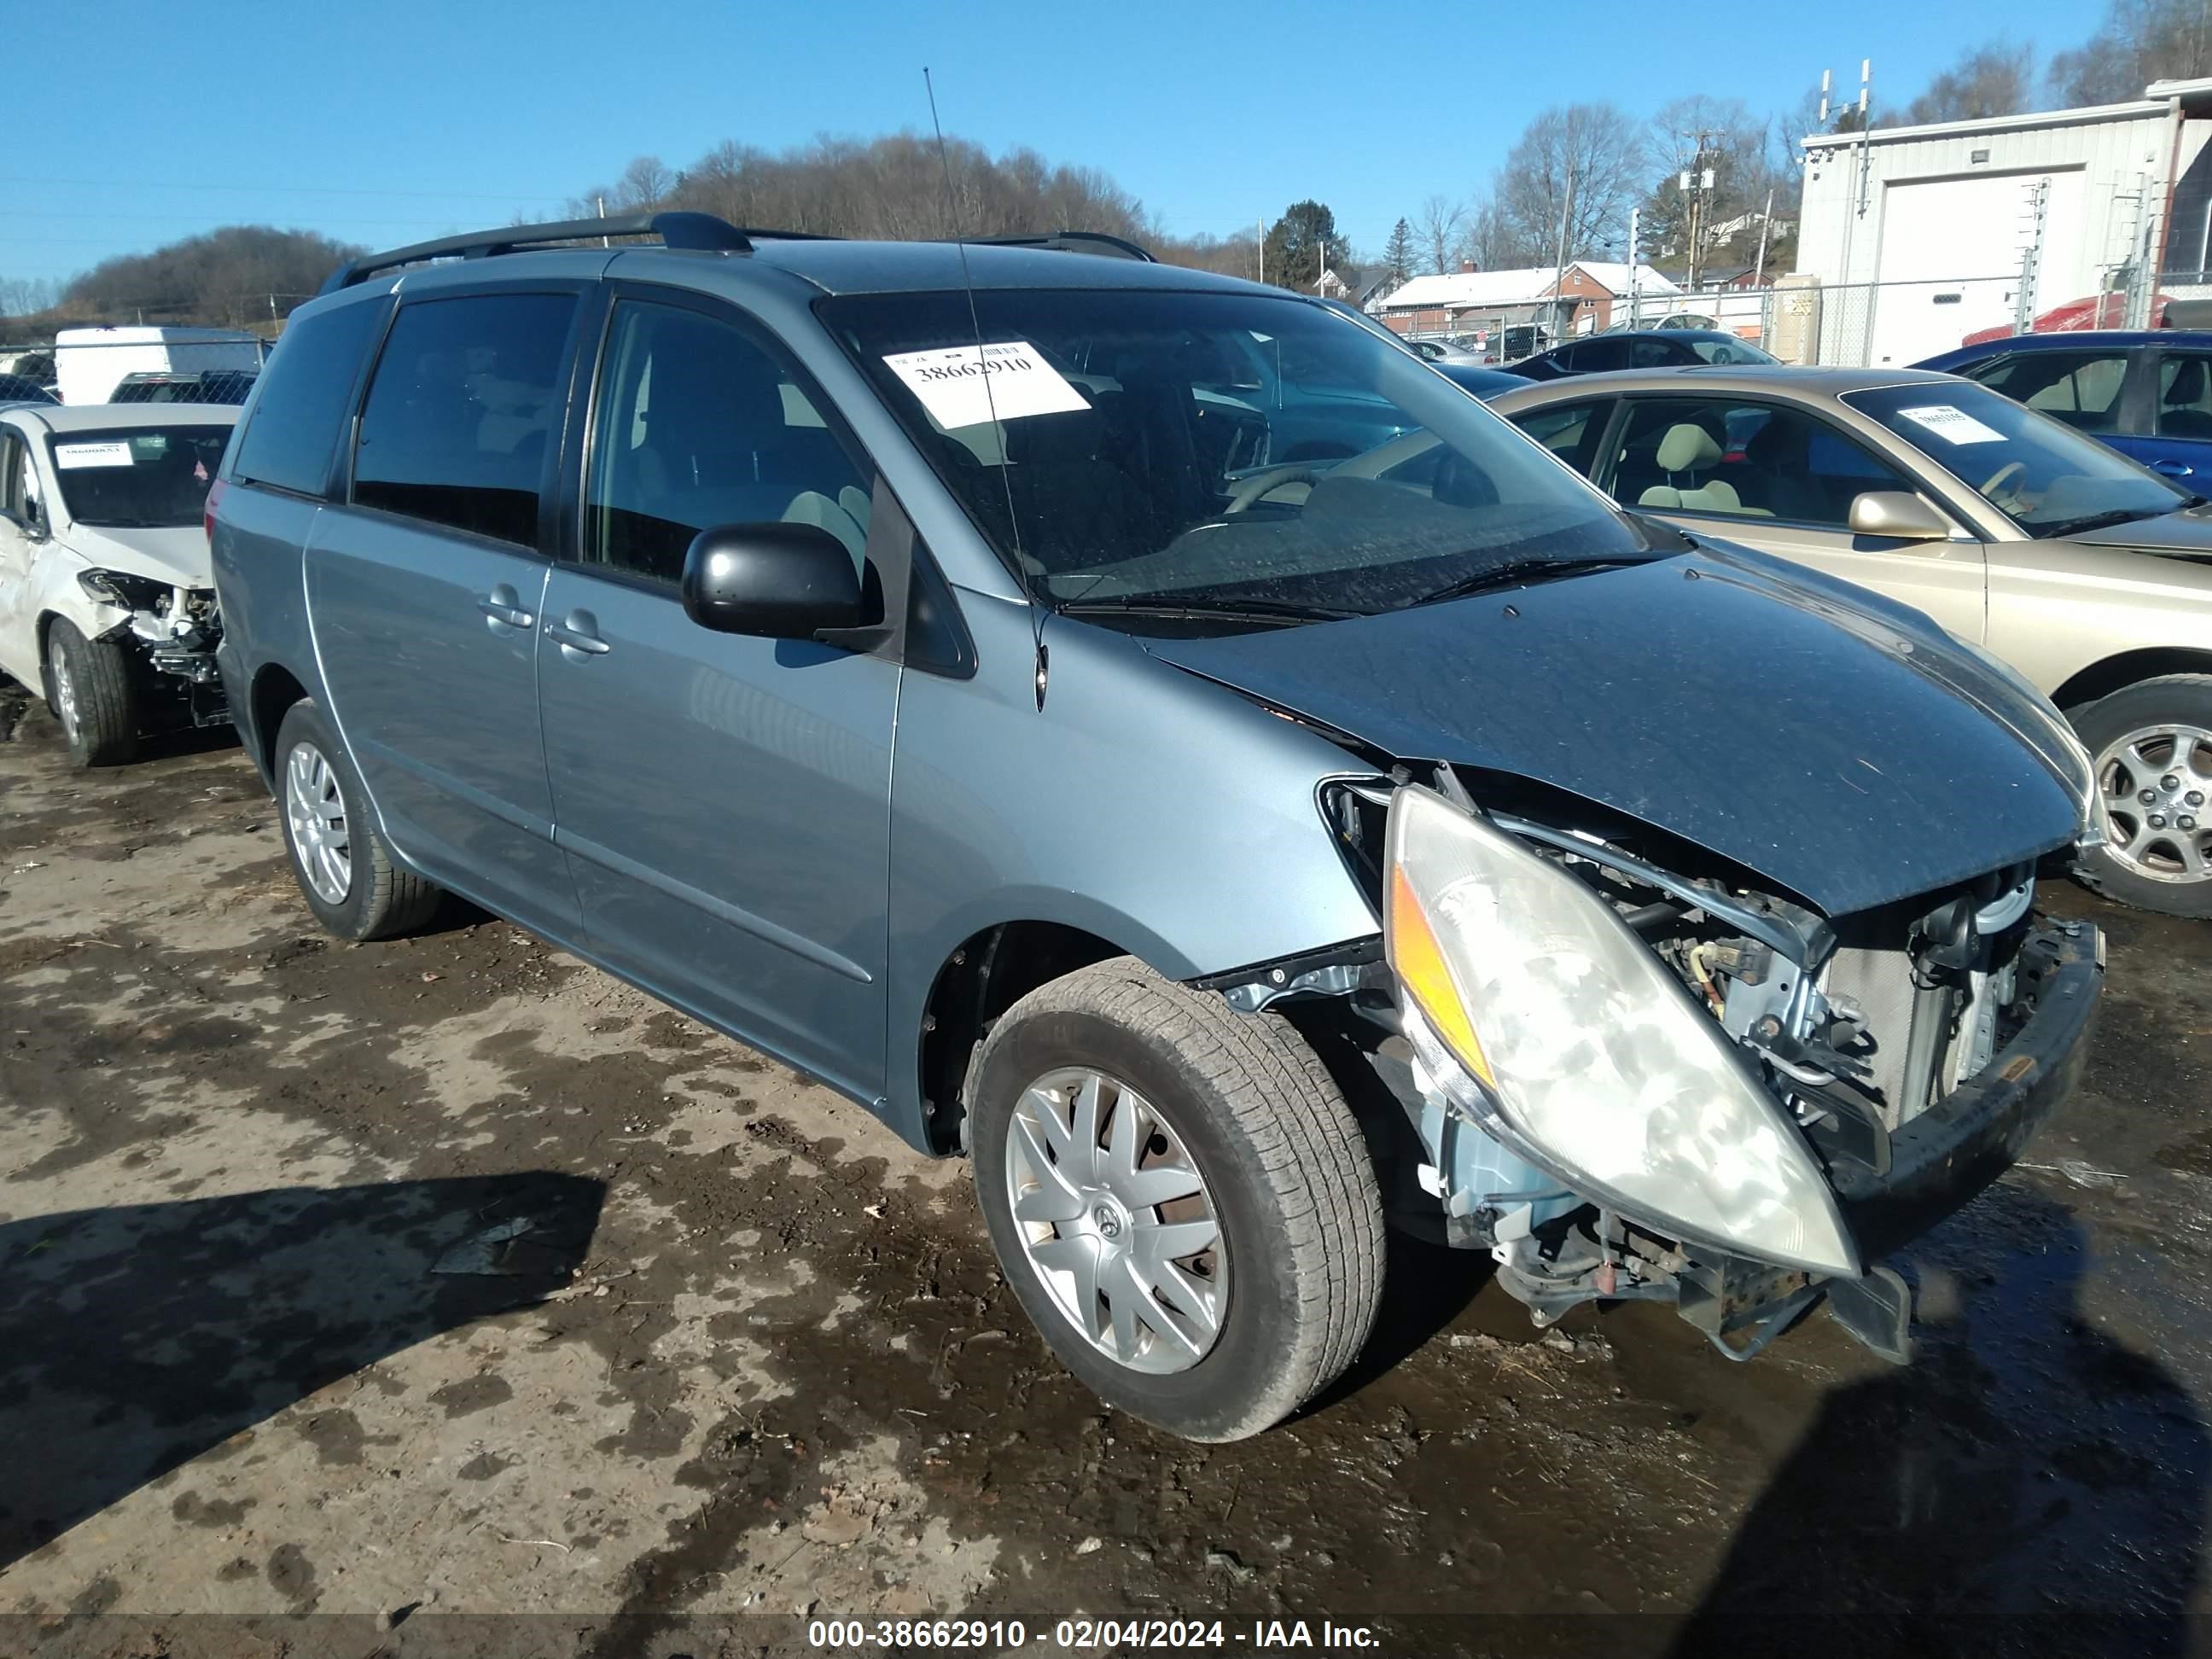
966	385
1952	425
74	455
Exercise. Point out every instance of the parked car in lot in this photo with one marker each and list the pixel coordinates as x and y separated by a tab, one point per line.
215	386
19	389
2147	393
935	668
2089	575
1654	347
1445	351
107	610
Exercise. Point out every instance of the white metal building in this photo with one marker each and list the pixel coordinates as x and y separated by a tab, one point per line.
1915	237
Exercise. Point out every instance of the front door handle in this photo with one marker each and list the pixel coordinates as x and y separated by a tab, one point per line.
503	605
2173	468
578	635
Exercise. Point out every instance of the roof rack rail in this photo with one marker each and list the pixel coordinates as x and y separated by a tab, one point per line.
1067	241
678	230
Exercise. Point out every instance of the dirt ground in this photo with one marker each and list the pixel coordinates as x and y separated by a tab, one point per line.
448	1276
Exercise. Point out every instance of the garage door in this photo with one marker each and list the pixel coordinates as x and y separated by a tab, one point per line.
1950	256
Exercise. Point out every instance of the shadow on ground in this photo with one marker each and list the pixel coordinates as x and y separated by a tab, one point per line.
2027	1482
143	1335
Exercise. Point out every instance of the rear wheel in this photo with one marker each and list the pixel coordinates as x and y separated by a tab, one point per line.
1181	1198
89	687
345	870
2153	747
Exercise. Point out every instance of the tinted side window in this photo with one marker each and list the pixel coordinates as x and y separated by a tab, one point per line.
698	425
465	403
295	427
2185	395
15	474
2081	388
1599	356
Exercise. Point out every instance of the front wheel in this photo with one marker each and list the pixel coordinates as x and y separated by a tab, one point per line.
1181	1200
90	690
2152	746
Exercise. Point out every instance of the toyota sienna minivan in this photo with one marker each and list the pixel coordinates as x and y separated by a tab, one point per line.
1148	735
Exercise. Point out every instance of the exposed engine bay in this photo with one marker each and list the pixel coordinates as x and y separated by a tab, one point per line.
177	629
1877	1033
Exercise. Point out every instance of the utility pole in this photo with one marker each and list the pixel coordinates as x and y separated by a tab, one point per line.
1765	224
1262	222
602	202
1635	266
1559	270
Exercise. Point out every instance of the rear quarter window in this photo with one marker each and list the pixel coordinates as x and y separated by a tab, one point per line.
292	432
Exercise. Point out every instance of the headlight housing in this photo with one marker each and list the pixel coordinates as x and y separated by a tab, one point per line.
1591	1052
123	588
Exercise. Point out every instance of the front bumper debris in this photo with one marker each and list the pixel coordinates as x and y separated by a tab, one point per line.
1938	1162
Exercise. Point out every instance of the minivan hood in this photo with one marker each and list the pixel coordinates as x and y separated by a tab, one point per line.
1843	747
177	555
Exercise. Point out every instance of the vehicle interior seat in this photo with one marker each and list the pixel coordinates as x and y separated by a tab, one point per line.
2186	409
1686	452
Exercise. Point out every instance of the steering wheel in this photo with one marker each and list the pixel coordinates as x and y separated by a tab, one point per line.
1998	476
1251	489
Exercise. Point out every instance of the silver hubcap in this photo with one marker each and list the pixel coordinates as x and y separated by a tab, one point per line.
316	814
2157	785
64	690
1115	1217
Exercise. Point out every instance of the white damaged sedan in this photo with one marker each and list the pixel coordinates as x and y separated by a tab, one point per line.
106	605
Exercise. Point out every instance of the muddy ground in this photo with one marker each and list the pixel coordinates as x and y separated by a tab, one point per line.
266	1347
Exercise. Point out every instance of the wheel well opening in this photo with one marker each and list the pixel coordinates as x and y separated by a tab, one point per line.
275	690
2116	674
988	974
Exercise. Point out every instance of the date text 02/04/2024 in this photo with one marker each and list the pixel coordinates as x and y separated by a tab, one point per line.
1262	1636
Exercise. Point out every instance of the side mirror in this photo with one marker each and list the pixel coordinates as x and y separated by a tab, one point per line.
1898	514
779	581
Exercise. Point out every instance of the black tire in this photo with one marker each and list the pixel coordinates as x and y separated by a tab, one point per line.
381	900
98	705
1293	1186
2181	700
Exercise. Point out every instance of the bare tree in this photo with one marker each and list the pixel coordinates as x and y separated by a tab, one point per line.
2139	41
1992	79
1437	227
1693	137
1570	178
1492	242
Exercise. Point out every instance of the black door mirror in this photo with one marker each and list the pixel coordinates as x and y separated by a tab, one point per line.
780	581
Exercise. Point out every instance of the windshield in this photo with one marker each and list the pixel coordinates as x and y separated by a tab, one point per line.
138	478
2045	478
1216	449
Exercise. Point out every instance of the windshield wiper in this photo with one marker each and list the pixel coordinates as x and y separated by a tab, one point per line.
1159	605
2107	520
1520	573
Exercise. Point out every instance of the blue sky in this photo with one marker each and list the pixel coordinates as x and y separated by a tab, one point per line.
136	123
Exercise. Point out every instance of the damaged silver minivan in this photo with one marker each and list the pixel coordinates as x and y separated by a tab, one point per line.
1146	732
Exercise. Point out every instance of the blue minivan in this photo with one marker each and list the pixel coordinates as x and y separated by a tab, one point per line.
1150	735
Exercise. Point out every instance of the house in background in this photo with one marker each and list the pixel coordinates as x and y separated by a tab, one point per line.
1590	295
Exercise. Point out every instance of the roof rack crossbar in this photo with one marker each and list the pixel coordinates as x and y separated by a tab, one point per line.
1067	241
677	230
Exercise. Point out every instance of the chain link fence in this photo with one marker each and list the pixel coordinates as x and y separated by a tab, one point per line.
138	364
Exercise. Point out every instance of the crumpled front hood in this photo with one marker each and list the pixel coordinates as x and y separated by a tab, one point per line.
178	554
1841	745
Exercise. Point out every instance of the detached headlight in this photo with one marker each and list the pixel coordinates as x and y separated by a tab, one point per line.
121	587
1589	1051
